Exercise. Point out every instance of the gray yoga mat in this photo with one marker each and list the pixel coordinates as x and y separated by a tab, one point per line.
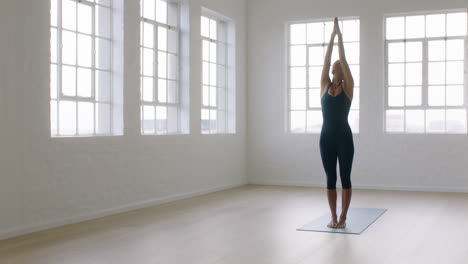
357	220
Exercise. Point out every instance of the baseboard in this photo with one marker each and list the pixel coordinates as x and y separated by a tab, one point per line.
107	212
358	186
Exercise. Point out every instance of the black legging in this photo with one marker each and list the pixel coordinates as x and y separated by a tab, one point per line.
336	139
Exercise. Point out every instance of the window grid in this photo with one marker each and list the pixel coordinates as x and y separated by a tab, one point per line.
160	104
214	107
424	107
353	62
58	83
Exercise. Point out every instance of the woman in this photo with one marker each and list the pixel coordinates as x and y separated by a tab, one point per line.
336	138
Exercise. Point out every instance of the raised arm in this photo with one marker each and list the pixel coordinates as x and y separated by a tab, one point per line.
348	77
325	80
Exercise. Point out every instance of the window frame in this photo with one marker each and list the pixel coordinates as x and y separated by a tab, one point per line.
176	6
220	23
425	74
307	89
60	96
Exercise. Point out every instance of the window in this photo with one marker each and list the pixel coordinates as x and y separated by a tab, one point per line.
217	113
307	47
159	72
425	73
81	78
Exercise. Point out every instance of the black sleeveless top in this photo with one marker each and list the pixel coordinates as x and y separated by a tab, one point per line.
335	110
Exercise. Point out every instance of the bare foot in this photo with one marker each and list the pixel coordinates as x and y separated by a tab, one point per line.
341	223
332	223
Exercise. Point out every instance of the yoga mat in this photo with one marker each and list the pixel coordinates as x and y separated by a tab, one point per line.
357	220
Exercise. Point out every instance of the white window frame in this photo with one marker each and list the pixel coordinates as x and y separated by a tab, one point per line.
326	38
223	91
425	64
58	95
172	127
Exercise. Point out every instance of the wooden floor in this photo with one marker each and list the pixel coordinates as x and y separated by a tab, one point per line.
257	224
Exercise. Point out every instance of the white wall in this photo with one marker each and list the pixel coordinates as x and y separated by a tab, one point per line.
411	162
46	182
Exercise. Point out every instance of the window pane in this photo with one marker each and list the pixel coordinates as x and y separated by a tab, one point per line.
298	77
455	72
148	119
162	90
436	72
314	98
148	9
103	50
350	30
314	121
53	45
206	50
162	38
298	120
53	81
436	50
353	120
148	62
213	29
396	74
85	118
435	25
298	34
69	14
206	71
85	50
394	120
298	55
413	95
315	33
148	91
316	55
435	121
415	27
172	90
415	121
148	35
172	67
328	29
213	74
53	117
395	27
84	82
103	119
298	99
315	76
413	51
85	18
455	49
213	96
396	52
355	72
352	52
455	95
205	95
161	120
103	86
456	121
413	73
162	64
355	101
396	96
161	11
205	27
68	81
213	52
68	47
456	24
436	95
53	13
103	22
67	118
